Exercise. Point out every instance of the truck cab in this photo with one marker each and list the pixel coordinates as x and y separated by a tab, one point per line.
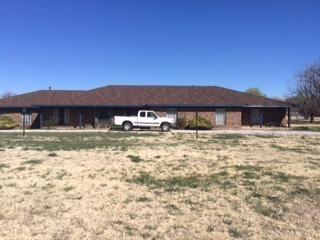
144	119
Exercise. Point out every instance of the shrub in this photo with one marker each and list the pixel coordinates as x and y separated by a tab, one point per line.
52	154
135	159
182	123
48	123
203	123
8	122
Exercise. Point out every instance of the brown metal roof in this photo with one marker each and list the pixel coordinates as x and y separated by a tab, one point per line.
140	96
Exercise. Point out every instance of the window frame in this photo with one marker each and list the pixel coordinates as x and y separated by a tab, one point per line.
155	116
28	119
217	113
142	112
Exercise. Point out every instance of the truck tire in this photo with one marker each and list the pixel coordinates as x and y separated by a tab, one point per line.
127	126
165	127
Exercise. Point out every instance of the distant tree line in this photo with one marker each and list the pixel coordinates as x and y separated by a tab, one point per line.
255	91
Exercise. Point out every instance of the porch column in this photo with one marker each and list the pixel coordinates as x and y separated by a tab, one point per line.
40	119
24	121
80	120
289	117
261	118
95	118
110	113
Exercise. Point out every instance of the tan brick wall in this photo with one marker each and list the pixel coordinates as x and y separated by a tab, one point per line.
191	115
233	118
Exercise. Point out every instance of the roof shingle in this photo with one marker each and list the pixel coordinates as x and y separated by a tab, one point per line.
140	96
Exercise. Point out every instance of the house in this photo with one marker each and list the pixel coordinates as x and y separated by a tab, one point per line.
225	108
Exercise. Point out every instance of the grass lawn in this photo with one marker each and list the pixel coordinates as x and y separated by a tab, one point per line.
159	186
313	128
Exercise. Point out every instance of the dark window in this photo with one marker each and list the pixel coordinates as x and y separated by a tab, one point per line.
151	115
142	114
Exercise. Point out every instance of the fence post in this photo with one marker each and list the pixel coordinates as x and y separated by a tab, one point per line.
23	121
289	117
196	124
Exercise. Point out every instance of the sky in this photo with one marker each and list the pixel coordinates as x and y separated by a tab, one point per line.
84	44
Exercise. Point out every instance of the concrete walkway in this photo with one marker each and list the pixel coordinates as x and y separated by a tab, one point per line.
269	132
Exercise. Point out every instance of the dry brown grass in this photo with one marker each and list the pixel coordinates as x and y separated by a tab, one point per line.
168	186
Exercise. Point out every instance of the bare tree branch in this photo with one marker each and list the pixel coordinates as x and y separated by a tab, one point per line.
7	95
306	92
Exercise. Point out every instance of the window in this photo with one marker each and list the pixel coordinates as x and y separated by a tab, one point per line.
142	114
255	116
55	116
220	117
172	113
27	119
66	116
152	115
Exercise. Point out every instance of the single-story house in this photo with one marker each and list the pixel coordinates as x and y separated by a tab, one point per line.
225	108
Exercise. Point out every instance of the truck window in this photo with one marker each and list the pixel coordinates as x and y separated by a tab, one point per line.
142	114
151	115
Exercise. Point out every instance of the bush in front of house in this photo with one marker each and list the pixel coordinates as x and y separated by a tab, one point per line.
203	123
8	122
182	123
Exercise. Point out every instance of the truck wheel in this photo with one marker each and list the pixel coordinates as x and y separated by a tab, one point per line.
165	127
127	126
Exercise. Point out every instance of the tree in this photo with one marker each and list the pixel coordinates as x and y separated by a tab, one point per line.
7	95
255	91
306	90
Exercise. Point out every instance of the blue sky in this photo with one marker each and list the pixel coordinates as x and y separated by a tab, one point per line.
84	44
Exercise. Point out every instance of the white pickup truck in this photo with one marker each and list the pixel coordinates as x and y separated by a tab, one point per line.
145	119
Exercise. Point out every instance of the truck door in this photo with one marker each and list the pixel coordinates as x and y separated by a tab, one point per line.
152	119
142	118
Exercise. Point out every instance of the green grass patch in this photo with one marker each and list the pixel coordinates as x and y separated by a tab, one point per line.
307	128
52	154
3	165
33	162
68	188
20	169
235	233
179	183
143	199
134	158
74	141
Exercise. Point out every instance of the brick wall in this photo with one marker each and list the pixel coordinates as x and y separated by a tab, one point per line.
233	118
190	115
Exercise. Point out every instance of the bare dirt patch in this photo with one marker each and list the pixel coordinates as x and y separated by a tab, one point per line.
154	185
